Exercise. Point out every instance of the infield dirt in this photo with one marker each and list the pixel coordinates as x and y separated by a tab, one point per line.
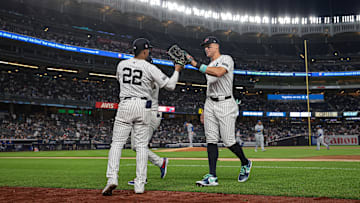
22	194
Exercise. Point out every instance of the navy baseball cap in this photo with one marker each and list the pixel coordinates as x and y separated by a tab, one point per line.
209	40
141	44
318	126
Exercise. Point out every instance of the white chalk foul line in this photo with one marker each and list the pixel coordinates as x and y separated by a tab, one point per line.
268	167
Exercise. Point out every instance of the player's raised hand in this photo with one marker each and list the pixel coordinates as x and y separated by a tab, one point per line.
190	59
178	67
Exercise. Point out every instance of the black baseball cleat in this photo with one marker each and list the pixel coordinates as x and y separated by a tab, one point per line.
108	189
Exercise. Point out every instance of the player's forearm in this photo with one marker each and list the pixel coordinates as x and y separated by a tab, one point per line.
171	84
213	71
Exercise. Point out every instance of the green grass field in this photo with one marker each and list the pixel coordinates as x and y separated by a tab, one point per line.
307	179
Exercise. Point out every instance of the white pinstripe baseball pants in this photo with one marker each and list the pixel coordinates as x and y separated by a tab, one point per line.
131	114
154	124
219	121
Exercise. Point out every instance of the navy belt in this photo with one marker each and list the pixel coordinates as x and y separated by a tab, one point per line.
217	99
143	98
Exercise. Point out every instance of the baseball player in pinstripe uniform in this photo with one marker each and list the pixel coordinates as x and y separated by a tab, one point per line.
136	77
154	124
220	111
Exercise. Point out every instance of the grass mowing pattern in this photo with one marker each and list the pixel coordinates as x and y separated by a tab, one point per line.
312	179
272	152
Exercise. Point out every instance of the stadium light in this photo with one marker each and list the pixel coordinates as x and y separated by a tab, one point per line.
227	16
244	19
62	70
257	19
295	21
155	2
304	21
19	64
236	17
265	20
327	20
273	20
102	75
198	85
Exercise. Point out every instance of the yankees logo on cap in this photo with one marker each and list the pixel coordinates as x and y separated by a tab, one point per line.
141	44
209	40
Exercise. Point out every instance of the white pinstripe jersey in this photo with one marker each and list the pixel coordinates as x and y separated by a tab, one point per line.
155	97
221	86
137	78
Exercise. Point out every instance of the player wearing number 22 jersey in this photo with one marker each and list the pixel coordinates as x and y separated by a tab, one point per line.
136	77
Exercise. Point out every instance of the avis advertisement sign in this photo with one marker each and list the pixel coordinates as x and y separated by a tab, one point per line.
110	105
339	140
106	105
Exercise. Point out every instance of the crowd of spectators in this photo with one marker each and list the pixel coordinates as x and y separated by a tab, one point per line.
277	130
172	131
50	129
67	34
28	85
55	128
39	86
341	102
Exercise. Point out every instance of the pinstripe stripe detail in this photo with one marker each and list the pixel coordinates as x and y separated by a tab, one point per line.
220	118
154	124
223	85
131	114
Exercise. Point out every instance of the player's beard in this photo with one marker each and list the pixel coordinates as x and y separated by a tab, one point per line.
149	59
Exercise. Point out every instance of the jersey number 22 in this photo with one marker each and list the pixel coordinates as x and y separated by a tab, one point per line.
132	76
